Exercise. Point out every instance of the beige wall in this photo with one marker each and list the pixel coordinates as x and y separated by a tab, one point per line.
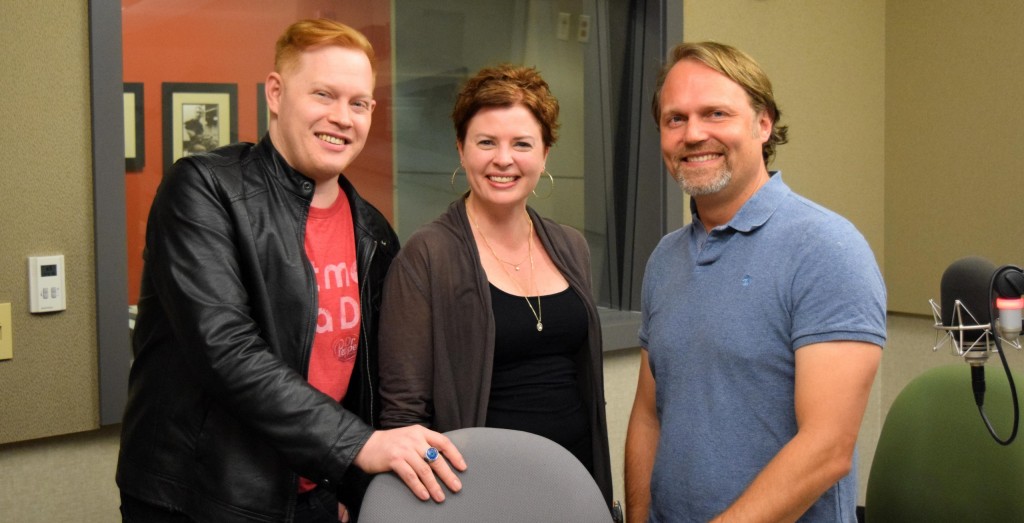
858	84
826	59
953	118
50	387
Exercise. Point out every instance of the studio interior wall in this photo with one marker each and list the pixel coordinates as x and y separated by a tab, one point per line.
835	67
46	207
953	112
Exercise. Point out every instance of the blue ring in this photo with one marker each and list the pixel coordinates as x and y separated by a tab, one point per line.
430	455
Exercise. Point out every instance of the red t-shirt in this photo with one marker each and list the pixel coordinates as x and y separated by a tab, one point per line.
331	248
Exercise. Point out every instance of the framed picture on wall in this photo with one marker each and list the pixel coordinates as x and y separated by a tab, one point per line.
262	113
134	130
198	118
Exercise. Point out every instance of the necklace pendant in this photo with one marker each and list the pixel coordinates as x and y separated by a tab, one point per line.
540	326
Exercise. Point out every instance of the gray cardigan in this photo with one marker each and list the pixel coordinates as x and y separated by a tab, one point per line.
437	330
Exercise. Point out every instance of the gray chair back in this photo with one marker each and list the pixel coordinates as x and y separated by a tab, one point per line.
512	476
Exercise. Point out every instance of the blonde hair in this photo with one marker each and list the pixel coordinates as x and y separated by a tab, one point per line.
738	67
306	34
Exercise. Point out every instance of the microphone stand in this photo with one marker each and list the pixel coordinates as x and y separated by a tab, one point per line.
976	353
980	400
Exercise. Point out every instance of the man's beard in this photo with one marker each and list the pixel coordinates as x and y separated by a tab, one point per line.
719	182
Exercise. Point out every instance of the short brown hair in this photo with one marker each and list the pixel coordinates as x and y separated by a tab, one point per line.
504	86
305	34
738	67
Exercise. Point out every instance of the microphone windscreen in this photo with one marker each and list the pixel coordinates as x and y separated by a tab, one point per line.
968	280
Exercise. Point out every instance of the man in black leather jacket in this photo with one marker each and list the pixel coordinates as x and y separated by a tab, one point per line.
224	415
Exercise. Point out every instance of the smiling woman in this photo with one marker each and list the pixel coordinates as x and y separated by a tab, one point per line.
503	155
605	144
465	351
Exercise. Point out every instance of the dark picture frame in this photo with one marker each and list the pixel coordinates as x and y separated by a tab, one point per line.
262	113
198	117
134	127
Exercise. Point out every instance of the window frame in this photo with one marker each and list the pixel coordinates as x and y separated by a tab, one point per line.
623	133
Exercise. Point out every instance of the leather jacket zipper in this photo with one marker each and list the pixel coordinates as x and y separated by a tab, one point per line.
364	304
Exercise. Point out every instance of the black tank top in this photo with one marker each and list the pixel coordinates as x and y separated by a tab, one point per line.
534	387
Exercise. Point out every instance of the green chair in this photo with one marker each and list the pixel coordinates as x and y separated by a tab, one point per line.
936	461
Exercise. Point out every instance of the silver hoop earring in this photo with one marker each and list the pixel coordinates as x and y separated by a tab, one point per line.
452	181
548	195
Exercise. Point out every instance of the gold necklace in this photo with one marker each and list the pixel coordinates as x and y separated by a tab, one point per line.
538	313
514	265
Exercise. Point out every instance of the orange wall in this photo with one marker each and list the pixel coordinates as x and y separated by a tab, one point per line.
232	41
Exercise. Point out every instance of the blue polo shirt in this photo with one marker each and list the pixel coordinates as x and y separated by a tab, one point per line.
723	314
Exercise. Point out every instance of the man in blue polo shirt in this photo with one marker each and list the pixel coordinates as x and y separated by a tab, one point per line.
762	324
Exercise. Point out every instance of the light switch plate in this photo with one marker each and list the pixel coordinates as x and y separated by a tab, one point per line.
562	27
6	332
583	31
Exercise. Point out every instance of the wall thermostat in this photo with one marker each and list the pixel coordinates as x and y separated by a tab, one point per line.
46	283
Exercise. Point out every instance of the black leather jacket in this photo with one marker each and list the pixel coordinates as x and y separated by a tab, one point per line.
220	419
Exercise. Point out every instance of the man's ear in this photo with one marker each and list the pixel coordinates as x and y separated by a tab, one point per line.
764	126
273	88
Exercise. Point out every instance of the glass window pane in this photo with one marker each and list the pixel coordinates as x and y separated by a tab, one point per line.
214	55
438	45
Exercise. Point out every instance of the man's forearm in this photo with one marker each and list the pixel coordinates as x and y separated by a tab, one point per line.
641	446
639	464
833	381
791	482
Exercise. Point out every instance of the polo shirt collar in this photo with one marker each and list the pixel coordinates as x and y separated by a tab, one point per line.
758	208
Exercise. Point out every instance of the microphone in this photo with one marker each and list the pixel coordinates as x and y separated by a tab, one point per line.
966	310
969	288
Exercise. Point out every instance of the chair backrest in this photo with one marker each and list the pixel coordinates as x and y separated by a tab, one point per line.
512	476
935	460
